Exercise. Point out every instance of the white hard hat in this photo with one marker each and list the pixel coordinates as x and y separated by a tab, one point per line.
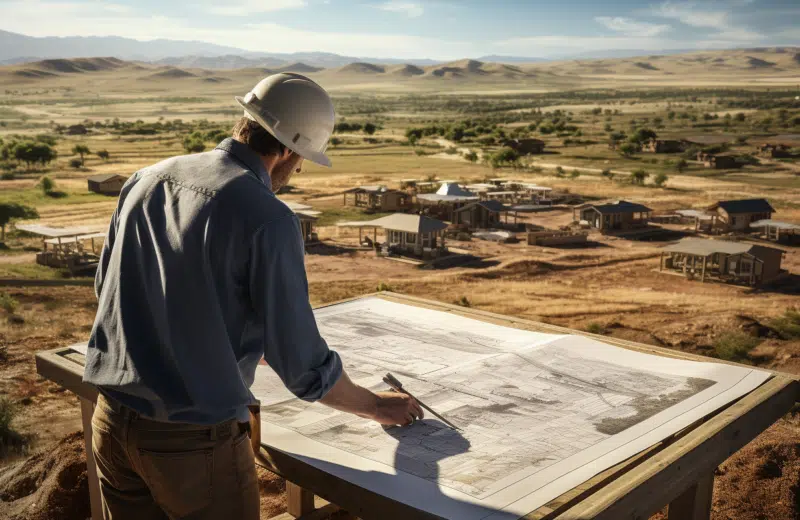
294	109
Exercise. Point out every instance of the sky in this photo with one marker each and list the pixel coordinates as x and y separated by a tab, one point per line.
418	29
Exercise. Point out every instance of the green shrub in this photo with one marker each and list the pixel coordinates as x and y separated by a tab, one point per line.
7	303
8	176
660	179
595	328
735	345
10	439
75	163
788	325
574	174
382	286
47	184
464	302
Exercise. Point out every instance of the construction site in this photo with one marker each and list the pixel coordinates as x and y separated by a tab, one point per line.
654	248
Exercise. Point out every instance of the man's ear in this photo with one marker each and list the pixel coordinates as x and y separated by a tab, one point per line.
287	153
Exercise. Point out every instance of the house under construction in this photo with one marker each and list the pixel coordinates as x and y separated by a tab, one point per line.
445	202
405	234
76	249
377	198
722	260
613	216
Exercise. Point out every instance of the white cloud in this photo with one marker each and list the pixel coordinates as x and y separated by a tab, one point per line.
409	9
719	19
685	12
249	7
630	27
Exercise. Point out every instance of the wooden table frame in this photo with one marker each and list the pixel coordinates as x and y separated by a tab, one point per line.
678	471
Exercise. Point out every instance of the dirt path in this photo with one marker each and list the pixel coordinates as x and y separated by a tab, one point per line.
26	258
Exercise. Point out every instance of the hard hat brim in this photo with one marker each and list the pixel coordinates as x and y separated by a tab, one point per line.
315	157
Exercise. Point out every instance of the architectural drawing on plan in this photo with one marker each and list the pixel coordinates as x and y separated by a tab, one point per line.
521	407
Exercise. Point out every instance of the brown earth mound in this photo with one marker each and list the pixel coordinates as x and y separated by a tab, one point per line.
51	484
171	73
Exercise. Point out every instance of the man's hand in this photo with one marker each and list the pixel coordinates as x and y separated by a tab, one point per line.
388	408
396	408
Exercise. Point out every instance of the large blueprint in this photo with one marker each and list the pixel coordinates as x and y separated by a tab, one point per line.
539	413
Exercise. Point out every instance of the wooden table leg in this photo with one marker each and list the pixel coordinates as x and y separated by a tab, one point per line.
87	409
299	501
695	502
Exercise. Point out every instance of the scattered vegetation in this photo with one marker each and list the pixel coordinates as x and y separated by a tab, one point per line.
735	345
595	328
382	286
787	325
464	302
10	440
8	303
10	211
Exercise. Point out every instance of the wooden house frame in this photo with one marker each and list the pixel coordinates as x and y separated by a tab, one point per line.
620	215
377	198
723	260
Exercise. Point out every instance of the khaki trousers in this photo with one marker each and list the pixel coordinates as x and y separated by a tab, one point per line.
157	470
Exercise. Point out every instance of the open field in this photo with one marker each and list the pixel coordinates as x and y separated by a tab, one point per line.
612	287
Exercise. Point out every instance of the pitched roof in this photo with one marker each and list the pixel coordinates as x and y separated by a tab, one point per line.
401	222
620	206
494	206
706	247
103	177
776	224
54	232
744	206
454	190
369	189
435	197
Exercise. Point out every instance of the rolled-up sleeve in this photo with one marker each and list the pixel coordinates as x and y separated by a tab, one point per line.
293	346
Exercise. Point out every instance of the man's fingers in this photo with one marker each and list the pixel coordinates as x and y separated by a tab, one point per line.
417	410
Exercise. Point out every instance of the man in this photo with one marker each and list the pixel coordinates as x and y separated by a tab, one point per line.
201	275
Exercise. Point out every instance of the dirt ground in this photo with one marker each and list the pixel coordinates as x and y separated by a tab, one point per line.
614	283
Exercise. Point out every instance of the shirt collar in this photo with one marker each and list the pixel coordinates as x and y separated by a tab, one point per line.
245	155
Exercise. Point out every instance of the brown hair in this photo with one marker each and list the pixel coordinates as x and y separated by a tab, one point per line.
256	137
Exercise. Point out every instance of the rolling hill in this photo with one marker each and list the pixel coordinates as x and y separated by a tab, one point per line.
780	65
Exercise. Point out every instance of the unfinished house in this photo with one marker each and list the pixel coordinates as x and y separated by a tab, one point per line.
308	218
613	216
737	215
719	161
663	146
776	231
484	214
538	236
735	262
526	146
377	198
107	184
76	249
444	203
415	235
774	151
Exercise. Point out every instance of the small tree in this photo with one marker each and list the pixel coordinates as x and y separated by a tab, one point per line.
681	165
335	141
639	176
12	211
660	179
559	171
193	145
82	150
574	174
471	156
47	185
370	128
104	155
628	149
608	174
75	163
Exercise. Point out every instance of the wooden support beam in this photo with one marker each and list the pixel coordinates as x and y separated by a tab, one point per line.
703	273
95	502
299	501
695	502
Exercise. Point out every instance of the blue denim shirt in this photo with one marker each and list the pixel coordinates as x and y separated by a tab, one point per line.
200	276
